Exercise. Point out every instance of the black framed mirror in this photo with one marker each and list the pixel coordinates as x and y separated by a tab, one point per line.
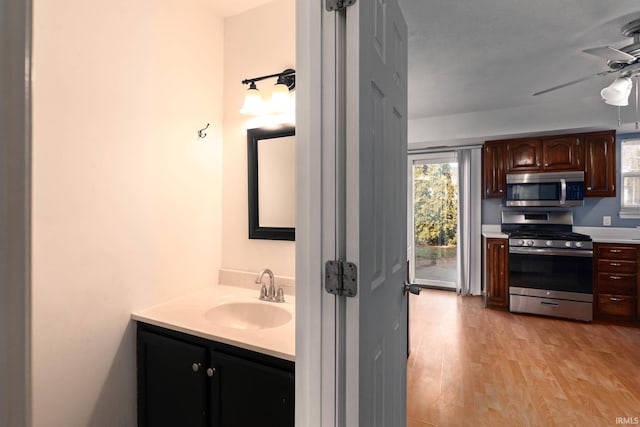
271	173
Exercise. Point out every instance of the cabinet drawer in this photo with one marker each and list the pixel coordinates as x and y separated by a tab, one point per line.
617	252
619	306
624	284
616	266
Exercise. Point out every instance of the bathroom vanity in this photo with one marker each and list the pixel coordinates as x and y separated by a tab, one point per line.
189	381
218	358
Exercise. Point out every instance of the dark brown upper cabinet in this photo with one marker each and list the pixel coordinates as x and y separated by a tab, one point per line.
493	176
524	155
562	153
593	153
600	164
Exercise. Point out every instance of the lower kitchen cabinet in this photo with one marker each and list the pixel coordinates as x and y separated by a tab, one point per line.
496	270
615	282
189	381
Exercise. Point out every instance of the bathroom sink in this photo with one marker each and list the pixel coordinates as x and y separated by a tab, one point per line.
248	315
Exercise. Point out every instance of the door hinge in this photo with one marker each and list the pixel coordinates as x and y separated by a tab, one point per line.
333	5
341	278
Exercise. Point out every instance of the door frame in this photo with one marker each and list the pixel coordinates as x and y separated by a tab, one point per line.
411	158
15	213
316	223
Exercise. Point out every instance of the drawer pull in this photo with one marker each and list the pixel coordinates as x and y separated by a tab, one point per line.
615	251
615	264
615	277
616	299
554	304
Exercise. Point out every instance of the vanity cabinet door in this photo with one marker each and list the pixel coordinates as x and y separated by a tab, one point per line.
171	382
248	394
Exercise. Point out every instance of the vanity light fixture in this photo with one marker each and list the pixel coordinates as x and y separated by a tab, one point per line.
281	100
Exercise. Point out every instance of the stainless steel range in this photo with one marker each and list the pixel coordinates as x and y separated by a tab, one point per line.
550	266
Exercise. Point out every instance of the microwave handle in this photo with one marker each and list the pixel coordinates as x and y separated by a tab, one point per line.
563	191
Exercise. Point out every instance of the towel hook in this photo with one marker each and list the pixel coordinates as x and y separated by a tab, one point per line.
202	133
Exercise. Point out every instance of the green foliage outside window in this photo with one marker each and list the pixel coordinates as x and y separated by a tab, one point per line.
436	205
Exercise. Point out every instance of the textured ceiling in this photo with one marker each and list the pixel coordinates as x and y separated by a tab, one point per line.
477	55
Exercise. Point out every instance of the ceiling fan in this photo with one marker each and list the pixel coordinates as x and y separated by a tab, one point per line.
624	61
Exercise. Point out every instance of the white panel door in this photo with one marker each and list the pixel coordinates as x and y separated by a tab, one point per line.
376	337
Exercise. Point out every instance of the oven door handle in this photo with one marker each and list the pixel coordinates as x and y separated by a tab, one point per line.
563	191
547	251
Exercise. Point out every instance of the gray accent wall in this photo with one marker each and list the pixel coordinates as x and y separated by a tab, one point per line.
589	215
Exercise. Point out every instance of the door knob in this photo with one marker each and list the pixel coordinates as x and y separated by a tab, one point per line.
414	289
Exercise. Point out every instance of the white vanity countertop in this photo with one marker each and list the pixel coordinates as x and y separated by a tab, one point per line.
187	314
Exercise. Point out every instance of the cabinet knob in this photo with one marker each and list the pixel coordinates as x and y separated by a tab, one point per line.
211	372
588	188
195	367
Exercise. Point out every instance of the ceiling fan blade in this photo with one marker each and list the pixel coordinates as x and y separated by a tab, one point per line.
602	73
611	53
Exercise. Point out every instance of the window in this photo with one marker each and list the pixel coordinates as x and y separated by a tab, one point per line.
630	177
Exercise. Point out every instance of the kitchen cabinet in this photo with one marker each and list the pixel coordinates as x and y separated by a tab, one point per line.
187	380
615	282
524	155
593	153
600	164
496	269
493	173
562	153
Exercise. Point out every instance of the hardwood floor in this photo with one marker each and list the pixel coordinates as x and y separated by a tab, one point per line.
471	366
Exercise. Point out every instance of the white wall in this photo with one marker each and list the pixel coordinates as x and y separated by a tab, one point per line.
126	198
256	43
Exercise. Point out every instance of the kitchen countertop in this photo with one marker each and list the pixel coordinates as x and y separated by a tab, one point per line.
611	234
187	314
622	235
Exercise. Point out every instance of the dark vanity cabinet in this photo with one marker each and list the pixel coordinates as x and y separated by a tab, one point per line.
189	381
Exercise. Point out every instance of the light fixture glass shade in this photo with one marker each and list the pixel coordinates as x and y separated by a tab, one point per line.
280	100
617	93
253	104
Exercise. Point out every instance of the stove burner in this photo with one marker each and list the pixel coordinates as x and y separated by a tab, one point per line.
549	235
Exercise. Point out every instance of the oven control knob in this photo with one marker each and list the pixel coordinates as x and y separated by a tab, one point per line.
521	242
567	244
578	244
529	242
549	243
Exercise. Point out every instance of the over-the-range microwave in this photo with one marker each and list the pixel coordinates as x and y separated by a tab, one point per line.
545	189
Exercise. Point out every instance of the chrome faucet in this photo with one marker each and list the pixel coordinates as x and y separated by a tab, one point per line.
270	293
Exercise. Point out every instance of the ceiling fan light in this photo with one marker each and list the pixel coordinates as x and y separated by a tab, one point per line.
617	93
